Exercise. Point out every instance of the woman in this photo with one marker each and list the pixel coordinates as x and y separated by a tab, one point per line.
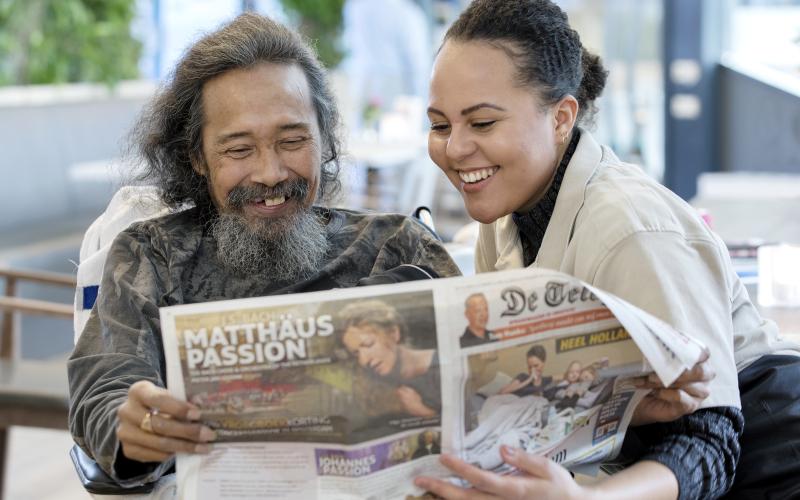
372	332
530	383
509	84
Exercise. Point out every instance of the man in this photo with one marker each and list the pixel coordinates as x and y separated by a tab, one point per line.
476	309
246	133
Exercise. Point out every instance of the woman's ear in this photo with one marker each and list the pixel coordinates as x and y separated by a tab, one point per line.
564	116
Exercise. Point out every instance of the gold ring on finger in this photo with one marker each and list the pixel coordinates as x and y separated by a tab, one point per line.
147	421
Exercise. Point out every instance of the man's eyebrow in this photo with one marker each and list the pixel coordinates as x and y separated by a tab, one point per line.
470	109
229	137
295	126
282	128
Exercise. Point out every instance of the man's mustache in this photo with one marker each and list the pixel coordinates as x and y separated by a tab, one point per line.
242	195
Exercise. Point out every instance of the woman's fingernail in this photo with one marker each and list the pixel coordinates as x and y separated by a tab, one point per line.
202	449
193	414
509	451
421	483
207	434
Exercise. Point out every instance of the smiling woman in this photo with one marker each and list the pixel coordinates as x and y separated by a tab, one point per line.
510	86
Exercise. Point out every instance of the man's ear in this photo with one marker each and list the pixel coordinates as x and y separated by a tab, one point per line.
199	165
564	116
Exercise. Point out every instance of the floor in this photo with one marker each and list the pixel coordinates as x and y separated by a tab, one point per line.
39	467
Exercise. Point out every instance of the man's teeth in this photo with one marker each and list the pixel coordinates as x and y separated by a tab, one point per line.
271	202
477	175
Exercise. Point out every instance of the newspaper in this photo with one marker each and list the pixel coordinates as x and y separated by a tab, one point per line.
352	393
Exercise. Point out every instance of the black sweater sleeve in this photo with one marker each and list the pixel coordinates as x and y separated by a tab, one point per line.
701	449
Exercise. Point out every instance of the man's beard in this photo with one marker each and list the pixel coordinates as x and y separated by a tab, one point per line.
282	249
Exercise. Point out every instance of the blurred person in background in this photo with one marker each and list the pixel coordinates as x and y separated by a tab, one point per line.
387	46
510	83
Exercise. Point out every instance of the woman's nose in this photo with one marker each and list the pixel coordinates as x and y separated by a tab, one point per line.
460	144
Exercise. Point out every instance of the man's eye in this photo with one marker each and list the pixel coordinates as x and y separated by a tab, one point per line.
238	152
294	143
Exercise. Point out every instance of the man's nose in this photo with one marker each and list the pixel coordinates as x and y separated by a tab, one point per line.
269	170
460	144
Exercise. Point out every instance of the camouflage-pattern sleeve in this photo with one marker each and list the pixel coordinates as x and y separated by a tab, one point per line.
413	243
120	345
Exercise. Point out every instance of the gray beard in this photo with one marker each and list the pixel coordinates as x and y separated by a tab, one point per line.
287	249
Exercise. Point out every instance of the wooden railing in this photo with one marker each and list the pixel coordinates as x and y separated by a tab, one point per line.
10	303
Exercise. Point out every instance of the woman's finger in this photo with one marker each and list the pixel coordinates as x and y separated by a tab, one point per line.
701	372
536	466
697	390
450	491
480	479
680	403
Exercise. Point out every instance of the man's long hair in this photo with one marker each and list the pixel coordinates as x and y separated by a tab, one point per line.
168	134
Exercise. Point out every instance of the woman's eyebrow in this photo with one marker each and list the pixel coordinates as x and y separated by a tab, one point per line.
470	109
478	106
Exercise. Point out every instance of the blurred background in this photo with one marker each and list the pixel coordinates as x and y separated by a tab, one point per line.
704	94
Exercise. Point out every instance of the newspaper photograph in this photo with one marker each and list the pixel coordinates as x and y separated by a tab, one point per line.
352	393
323	372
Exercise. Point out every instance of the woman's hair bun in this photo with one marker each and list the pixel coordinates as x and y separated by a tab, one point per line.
594	78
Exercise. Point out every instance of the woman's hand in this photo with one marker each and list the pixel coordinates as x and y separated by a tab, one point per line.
172	422
681	398
541	479
412	402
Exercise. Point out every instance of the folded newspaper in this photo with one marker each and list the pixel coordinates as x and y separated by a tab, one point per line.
352	393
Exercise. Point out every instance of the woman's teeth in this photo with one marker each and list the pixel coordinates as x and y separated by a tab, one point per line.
271	202
477	175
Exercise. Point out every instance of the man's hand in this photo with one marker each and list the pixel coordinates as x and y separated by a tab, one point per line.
541	479
173	423
412	402
683	397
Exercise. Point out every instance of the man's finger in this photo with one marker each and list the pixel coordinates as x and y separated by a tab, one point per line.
150	396
191	431
130	435
142	454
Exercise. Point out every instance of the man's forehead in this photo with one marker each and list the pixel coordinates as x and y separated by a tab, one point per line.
269	92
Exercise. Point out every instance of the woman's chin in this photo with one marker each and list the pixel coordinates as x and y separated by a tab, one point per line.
482	214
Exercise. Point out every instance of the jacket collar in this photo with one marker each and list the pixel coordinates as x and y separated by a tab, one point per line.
581	168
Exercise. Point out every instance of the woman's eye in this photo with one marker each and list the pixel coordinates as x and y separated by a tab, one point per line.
484	124
439	127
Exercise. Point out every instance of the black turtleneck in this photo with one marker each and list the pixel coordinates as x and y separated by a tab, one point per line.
533	224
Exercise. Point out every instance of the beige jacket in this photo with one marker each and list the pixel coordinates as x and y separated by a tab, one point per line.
616	228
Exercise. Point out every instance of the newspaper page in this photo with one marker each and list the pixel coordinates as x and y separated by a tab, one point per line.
352	393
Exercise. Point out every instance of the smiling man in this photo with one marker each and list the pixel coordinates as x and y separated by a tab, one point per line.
244	134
